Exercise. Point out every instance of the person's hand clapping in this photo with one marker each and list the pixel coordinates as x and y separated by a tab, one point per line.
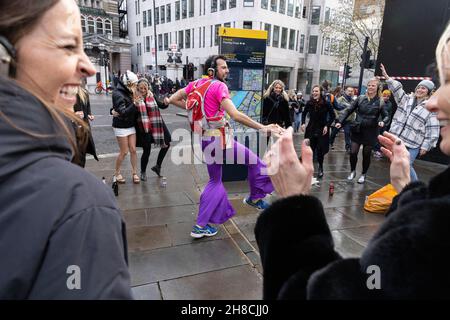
394	149
289	175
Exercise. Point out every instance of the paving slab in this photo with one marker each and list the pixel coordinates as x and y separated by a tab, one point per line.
148	238
237	283
147	292
174	262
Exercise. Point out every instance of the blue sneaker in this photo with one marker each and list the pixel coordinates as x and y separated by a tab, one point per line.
260	204
208	231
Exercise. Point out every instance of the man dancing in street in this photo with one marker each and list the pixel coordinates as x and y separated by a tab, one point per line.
214	206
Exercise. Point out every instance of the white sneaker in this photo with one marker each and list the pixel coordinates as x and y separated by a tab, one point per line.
362	179
352	175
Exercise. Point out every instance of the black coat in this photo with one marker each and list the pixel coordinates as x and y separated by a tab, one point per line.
276	110
124	105
410	248
54	215
90	147
146	138
368	114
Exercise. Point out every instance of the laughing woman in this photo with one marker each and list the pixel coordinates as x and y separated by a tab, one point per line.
151	128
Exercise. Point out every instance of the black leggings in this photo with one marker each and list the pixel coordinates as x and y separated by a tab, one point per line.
147	147
367	152
317	149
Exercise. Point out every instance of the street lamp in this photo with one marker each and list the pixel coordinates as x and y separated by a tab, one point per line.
178	55
170	54
104	61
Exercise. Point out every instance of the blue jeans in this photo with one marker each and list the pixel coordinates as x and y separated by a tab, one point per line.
347	133
297	121
413	153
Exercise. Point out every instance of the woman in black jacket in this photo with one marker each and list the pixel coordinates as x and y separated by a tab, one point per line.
364	130
276	105
321	116
62	234
124	122
83	109
151	128
409	252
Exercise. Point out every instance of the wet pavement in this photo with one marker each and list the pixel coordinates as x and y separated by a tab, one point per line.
166	263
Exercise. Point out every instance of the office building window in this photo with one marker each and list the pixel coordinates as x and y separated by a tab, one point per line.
99	26
223	5
147	43
212	36
296	42
91	25
249	3
302	43
200	36
227	24
304	12
273	5
213	6
149	18
160	42
166	41
144	19
204	37
216	34
157	16
180	39
312	44
327	15
297	9
177	10
187	38
183	9
284	34
315	15
232	4
264	4
268	28
108	27
291	39
248	25
282	6
191	8
163	14
290	8
168	12
276	36
83	24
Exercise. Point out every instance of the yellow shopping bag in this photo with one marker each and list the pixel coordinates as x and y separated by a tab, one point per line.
380	200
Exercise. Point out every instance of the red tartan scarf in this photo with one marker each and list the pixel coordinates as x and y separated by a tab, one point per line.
150	120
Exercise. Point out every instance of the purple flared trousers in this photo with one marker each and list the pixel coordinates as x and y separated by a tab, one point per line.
214	204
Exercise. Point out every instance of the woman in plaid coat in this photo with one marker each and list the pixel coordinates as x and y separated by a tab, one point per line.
412	122
150	128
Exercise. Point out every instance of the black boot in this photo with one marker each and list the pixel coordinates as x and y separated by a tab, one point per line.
157	169
320	174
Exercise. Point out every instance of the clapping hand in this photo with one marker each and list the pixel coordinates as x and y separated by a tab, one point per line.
394	149
289	175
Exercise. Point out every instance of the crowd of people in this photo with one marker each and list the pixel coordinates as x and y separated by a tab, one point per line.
44	125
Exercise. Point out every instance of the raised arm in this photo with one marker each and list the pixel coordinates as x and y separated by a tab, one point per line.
397	89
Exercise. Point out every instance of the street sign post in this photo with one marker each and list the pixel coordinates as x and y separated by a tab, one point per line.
245	51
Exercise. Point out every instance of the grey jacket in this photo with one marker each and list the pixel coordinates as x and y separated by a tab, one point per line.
61	233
